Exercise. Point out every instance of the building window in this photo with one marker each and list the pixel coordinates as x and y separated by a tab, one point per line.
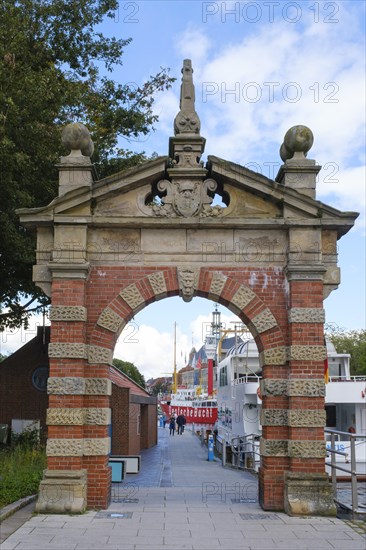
223	376
138	424
40	377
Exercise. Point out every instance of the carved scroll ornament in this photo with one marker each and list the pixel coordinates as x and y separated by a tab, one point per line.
186	197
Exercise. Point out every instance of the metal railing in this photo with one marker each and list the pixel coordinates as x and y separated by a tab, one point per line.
344	378
247	377
350	459
244	451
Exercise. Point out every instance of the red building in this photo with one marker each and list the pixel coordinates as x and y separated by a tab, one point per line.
23	396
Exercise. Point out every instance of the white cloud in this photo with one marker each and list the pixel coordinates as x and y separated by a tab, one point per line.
152	351
13	339
193	44
325	63
346	188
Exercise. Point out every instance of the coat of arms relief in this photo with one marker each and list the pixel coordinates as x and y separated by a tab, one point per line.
186	198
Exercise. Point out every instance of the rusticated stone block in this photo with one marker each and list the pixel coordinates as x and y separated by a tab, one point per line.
64	447
298	387
274	447
307	353
79	386
132	296
62	492
158	283
70	417
273	356
242	297
97	416
78	447
274	417
263	321
96	354
67	350
98	386
273	386
217	283
65	386
65	417
68	313
110	320
304	417
306	315
307	449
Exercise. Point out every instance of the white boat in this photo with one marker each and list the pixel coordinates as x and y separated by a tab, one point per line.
239	403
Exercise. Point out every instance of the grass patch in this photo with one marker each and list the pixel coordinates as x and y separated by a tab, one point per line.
21	470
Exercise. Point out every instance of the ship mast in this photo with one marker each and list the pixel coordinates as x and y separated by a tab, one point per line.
175	359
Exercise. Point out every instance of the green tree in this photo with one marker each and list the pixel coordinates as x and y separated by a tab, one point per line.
55	68
161	386
131	370
354	343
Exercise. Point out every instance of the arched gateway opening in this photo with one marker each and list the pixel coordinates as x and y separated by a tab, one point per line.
108	248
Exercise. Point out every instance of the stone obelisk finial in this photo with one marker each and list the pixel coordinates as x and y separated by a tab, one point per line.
187	145
187	120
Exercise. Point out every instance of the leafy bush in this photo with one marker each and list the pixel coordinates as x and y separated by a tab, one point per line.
21	467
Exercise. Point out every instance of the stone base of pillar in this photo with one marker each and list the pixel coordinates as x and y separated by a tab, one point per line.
308	494
62	492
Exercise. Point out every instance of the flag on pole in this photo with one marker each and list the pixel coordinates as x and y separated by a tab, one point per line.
199	363
326	370
326	366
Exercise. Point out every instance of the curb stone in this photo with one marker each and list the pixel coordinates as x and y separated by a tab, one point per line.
10	509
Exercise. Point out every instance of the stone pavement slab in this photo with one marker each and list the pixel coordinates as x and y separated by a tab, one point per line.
199	510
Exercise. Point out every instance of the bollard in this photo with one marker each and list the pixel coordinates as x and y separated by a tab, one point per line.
210	447
224	453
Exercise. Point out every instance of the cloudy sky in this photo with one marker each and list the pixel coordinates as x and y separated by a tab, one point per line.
259	68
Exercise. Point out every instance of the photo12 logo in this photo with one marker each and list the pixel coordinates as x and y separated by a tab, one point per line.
269	12
253	92
246	492
127	12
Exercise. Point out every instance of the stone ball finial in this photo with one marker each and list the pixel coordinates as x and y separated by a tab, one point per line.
298	139
76	136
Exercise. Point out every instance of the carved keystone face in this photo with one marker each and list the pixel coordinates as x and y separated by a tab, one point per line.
187	283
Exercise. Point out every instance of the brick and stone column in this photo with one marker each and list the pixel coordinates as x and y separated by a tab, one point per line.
307	487
79	387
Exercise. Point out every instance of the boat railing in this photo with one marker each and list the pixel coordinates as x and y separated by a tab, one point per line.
344	378
248	377
350	458
245	451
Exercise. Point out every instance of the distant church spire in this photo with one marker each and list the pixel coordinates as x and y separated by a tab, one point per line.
187	120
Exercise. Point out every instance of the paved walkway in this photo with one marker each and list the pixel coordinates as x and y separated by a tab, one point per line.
179	500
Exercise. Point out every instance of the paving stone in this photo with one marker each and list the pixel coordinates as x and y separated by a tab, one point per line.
181	517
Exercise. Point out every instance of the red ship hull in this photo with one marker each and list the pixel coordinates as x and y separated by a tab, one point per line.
193	415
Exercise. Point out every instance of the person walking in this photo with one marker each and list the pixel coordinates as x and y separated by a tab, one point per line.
172	425
164	420
180	423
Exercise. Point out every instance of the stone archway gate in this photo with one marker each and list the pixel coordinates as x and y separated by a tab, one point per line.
108	248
